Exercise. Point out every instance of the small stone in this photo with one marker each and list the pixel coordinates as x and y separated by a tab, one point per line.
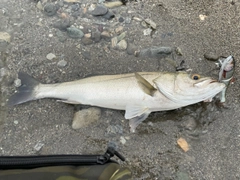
113	4
211	56
99	10
131	48
50	35
144	24
108	15
86	54
96	36
114	129
156	52
114	42
202	17
122	45
5	37
62	24
137	19
86	117
50	9
39	6
61	36
119	29
147	32
121	36
51	56
86	41
123	140
38	146
179	51
105	34
60	3
121	19
151	23
74	32
17	83
128	20
15	122
62	63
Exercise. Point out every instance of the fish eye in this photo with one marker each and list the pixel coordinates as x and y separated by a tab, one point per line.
195	76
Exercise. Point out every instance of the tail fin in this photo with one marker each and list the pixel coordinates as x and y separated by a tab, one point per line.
25	91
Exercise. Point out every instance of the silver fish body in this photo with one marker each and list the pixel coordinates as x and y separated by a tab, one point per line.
138	94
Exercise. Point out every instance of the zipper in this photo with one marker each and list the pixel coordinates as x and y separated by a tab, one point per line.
28	162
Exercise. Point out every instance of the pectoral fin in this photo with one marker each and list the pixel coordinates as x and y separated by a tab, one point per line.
145	85
136	114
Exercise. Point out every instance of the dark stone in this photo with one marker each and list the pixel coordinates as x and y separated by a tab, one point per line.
96	35
50	9
211	56
86	41
109	15
131	48
100	10
62	24
156	51
74	32
121	19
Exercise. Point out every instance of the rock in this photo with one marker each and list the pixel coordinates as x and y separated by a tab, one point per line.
100	10
105	34
108	15
86	54
74	32
4	36
122	140
86	117
131	48
178	51
61	36
113	4
156	51
60	3
17	82
114	129
211	56
15	122
147	32
121	36
86	41
119	29
122	45
38	146
120	19
128	20
144	24
62	63
51	56
50	9
39	6
62	24
151	23
114	42
96	35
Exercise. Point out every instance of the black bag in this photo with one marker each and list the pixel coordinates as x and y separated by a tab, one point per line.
64	167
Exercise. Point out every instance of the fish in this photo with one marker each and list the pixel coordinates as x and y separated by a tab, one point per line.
138	93
226	72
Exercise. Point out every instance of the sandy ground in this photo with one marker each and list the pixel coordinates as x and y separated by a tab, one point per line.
152	152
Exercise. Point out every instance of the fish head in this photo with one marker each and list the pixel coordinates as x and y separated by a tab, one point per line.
184	88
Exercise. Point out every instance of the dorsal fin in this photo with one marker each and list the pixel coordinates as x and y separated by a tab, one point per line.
145	85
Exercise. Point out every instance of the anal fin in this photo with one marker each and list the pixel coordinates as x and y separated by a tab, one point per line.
134	122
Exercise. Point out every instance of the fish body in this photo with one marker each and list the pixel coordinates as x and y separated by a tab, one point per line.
138	94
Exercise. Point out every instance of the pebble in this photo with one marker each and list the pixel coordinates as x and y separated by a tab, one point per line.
137	19
179	51
15	122
39	6
151	23
99	10
147	32
61	36
144	24
121	19
122	45
131	48
86	41
51	56
74	32
123	140
156	51
50	9
62	63
5	37
121	36
38	146
86	54
119	29
109	15
96	35
17	82
62	24
85	117
114	41
211	56
105	34
113	4
60	3
128	20
114	129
